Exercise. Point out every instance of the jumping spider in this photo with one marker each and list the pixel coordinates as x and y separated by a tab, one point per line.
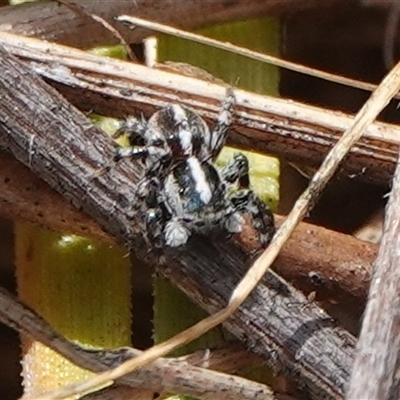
183	192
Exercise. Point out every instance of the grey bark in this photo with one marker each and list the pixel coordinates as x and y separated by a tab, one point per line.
375	373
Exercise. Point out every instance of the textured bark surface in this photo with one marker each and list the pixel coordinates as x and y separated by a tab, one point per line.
375	373
298	132
276	319
337	267
25	197
62	147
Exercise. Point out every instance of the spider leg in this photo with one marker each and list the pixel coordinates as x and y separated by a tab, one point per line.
147	193
220	132
154	224
175	232
135	130
149	201
237	170
245	201
130	152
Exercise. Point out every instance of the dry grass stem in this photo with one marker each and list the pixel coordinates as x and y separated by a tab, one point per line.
279	62
190	375
59	24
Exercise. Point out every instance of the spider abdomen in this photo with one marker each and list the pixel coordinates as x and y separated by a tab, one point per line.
196	185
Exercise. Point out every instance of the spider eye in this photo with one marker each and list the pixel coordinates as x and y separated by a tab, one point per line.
157	143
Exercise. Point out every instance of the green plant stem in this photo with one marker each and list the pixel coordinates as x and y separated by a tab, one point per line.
81	288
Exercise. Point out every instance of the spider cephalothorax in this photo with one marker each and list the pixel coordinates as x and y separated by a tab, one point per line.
182	191
173	134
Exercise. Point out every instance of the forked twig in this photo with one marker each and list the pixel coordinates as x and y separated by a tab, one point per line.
378	100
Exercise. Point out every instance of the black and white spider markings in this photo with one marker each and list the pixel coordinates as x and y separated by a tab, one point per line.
182	191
